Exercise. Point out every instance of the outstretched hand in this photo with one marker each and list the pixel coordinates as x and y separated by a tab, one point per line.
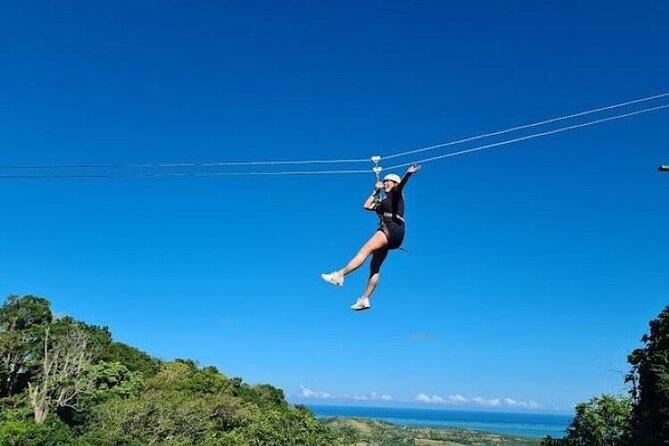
413	169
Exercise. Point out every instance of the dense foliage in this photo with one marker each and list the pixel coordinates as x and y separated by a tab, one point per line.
63	382
642	419
602	421
650	385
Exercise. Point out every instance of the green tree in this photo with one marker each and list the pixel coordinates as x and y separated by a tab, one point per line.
180	405
108	380
650	384
185	405
550	441
63	362
28	433
65	382
22	320
131	357
602	421
111	379
267	395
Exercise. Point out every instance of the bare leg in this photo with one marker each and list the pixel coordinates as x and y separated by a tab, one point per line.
378	241
377	260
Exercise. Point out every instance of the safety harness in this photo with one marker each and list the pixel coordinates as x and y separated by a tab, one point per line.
386	216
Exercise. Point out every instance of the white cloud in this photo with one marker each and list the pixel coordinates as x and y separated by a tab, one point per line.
429	399
460	400
457	399
453	400
372	396
492	402
523	404
436	399
533	405
308	393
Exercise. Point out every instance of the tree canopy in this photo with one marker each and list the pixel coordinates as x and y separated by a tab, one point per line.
650	384
65	382
642	419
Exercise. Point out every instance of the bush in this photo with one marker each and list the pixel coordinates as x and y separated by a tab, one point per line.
28	433
602	421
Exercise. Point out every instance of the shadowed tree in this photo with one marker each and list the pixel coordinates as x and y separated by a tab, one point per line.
134	359
650	384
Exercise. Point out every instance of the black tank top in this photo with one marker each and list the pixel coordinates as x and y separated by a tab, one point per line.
392	203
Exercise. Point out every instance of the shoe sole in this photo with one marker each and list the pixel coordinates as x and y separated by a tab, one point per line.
332	283
361	309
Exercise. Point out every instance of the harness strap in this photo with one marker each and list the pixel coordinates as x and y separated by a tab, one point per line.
392	216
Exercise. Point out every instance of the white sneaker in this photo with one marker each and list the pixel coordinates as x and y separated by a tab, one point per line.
333	278
361	304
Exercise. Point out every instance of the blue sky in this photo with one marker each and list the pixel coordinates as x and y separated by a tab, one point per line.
532	270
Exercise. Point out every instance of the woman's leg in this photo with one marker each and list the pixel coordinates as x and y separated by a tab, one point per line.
377	260
378	241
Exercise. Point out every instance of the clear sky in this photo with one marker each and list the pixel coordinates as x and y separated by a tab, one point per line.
532	270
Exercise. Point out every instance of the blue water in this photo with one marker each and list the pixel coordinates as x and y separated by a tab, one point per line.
526	424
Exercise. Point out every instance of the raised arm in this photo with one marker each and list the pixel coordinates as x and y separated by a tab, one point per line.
410	171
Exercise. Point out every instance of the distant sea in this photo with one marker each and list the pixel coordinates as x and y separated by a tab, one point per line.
526	424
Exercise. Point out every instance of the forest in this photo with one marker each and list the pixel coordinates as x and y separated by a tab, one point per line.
66	382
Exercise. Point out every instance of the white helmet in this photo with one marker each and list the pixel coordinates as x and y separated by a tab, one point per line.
392	177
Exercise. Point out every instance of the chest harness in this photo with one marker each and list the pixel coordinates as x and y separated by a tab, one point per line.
384	217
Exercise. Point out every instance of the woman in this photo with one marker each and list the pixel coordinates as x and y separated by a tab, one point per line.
389	234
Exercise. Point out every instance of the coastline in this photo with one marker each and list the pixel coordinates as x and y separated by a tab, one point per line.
531	425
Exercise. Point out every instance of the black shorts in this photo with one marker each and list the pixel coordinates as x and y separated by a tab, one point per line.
394	232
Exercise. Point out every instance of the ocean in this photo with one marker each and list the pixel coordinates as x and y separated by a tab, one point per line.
526	424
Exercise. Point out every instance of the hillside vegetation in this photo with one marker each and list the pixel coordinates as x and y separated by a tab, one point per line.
64	382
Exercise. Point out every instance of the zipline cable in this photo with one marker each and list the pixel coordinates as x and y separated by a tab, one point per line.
180	174
526	126
176	165
532	136
332	172
323	161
